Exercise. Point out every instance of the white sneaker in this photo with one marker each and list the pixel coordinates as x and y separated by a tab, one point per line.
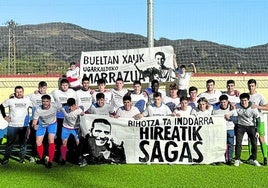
46	160
83	163
237	163
256	163
32	160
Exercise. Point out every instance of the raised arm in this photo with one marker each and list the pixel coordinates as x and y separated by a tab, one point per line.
175	65
194	68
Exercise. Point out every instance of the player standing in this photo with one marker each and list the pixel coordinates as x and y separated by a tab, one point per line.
44	120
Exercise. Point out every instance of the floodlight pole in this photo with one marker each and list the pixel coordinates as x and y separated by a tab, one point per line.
150	23
11	48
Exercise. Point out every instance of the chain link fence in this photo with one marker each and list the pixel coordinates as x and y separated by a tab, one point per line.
47	49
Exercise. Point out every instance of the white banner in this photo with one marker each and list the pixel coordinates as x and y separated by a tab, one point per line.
161	139
142	64
3	123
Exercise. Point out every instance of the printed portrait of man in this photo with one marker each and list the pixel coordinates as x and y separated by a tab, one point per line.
165	72
101	146
161	73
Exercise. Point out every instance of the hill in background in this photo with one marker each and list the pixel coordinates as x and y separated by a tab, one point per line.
54	43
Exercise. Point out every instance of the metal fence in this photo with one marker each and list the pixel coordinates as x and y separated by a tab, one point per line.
47	49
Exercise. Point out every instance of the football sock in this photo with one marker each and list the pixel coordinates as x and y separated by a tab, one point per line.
51	152
40	150
63	152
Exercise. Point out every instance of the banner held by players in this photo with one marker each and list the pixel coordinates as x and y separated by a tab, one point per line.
144	64
163	139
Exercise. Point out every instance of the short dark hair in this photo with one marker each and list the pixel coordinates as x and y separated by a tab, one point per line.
161	54
244	96
157	94
85	79
230	82
127	98
183	98
223	97
100	96
154	82
210	80
119	79
100	120
46	97
72	63
18	87
182	66
136	82
192	88
70	101
101	81
42	84
252	81
63	81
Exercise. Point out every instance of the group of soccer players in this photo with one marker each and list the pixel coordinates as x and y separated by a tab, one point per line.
58	113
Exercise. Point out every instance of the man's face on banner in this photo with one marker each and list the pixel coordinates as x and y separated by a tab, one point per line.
159	59
102	133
